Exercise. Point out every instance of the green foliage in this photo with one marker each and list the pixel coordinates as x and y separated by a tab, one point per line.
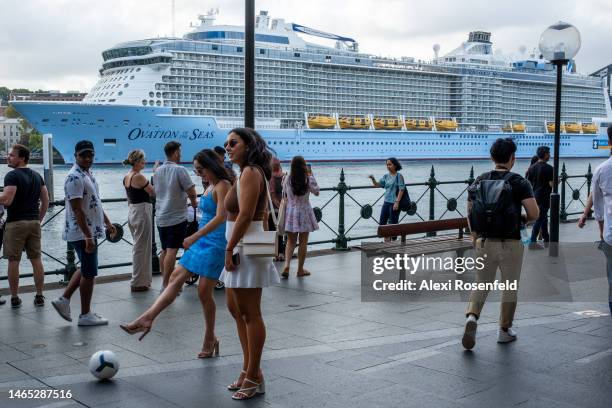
36	141
11	112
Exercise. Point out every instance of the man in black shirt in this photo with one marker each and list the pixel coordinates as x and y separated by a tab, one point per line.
26	199
540	175
499	248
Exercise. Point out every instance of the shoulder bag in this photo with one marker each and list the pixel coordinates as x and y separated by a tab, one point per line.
255	242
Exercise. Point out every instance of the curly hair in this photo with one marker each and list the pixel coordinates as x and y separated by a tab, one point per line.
209	159
299	178
258	152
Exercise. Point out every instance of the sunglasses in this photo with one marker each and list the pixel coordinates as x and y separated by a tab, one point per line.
198	170
231	143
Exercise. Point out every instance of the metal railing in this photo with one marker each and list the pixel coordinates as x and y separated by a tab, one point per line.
351	212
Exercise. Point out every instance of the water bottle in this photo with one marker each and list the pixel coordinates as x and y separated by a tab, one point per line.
525	238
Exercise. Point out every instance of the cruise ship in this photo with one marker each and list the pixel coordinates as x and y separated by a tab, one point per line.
326	103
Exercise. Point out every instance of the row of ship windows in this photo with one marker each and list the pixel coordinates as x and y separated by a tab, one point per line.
279	143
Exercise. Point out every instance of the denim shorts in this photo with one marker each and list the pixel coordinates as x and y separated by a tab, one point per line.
89	262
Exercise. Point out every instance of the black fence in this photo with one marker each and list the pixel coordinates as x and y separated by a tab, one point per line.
432	199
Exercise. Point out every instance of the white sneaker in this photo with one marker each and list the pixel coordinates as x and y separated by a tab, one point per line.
469	335
62	305
506	336
92	319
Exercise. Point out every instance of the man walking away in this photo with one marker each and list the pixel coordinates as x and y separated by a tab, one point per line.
540	175
85	222
26	200
494	215
173	186
602	207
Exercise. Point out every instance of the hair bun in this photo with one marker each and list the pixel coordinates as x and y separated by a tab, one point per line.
127	162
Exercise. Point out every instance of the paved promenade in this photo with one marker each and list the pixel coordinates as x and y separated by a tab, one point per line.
325	348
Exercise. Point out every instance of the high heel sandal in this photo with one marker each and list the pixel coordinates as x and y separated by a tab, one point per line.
250	392
131	331
213	353
235	386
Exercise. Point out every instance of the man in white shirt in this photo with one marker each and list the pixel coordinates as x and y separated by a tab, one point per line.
602	207
85	223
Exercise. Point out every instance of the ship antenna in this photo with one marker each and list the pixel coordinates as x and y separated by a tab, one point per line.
173	7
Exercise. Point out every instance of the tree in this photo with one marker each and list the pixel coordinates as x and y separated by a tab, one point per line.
11	112
36	141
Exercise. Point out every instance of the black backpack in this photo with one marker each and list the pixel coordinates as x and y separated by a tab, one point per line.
493	213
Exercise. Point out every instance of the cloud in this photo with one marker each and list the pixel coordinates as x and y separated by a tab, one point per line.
57	44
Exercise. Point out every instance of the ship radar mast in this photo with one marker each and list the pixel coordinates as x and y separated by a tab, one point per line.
209	18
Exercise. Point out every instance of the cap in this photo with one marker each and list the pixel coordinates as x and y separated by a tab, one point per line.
83	146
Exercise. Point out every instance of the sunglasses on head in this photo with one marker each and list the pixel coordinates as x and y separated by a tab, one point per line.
231	143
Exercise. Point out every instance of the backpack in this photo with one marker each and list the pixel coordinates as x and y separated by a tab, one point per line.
493	213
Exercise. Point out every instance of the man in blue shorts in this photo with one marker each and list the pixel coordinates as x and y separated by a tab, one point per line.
85	224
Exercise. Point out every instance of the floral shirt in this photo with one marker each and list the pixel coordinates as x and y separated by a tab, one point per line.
82	184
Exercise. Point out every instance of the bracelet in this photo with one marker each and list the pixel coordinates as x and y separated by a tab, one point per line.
229	250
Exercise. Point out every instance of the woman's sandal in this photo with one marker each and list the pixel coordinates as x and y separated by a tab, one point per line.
250	392
235	386
212	353
285	274
304	273
137	329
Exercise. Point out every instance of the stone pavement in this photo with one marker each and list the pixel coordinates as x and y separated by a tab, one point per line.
325	348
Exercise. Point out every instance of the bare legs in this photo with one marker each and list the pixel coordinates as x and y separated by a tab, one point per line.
245	307
292	238
167	259
13	275
205	293
85	286
176	280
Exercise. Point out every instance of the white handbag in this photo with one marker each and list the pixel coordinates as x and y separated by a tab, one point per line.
255	242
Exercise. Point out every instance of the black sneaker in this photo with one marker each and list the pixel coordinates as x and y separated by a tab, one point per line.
2	300
219	285
15	302
39	300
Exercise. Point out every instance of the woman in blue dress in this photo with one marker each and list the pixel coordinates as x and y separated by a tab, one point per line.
204	254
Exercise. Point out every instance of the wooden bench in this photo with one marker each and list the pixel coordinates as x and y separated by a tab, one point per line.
458	243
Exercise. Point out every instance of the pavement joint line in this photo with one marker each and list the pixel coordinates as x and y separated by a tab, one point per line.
302	351
594	357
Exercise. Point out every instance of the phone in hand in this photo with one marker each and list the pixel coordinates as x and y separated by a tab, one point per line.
236	259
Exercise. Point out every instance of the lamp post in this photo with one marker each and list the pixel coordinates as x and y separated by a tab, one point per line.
558	44
249	63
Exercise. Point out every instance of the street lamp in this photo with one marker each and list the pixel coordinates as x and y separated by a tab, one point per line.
559	43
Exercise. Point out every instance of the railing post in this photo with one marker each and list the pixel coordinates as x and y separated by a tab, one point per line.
471	179
432	183
341	242
589	180
70	265
563	213
154	257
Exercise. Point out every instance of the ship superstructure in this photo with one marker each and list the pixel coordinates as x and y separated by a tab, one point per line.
333	93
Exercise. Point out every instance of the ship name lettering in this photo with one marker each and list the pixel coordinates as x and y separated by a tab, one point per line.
138	133
200	134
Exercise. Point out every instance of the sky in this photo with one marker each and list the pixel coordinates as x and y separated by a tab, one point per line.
57	44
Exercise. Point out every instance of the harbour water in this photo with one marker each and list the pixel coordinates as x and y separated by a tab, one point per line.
109	178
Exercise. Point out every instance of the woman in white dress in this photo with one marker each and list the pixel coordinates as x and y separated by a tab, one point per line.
245	276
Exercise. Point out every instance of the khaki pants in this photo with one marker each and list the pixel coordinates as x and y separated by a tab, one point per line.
508	257
140	223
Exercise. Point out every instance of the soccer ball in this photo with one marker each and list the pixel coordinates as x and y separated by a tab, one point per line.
104	364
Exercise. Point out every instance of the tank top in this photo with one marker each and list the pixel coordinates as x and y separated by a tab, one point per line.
231	201
136	195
